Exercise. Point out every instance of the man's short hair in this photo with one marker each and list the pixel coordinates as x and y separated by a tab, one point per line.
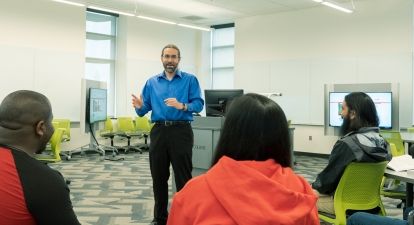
24	107
171	46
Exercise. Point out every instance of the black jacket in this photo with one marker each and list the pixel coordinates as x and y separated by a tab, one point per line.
364	145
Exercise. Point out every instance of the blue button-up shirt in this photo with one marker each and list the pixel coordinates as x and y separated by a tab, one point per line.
184	87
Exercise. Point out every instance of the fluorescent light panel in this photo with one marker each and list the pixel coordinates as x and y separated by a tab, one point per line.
193	27
148	18
110	10
332	5
156	20
69	3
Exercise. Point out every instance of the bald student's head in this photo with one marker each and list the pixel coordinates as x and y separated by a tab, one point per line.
26	121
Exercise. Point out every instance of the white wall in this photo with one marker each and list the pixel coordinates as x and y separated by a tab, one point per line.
142	42
42	49
297	52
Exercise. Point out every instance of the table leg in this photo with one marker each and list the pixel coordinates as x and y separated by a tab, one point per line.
409	200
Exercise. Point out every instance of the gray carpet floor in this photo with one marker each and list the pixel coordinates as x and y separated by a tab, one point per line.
120	192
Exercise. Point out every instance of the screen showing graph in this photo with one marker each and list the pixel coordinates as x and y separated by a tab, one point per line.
97	105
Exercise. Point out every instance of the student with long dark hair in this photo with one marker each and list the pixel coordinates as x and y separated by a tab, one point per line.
250	181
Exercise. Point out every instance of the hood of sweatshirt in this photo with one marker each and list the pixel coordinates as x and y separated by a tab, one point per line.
368	145
260	192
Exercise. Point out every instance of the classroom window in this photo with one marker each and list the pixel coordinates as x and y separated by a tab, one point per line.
223	56
100	51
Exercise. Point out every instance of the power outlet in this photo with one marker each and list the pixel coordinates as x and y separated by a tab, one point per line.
310	138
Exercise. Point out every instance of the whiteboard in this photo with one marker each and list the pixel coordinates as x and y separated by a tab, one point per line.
52	73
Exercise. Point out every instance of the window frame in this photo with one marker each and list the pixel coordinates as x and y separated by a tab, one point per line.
111	60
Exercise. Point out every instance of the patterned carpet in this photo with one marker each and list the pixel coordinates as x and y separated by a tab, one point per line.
120	192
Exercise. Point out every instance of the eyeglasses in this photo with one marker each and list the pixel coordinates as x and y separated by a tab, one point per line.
173	57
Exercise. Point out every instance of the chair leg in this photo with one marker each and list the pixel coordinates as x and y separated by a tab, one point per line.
129	147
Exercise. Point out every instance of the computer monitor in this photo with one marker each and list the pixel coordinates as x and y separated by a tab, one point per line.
97	103
217	100
382	101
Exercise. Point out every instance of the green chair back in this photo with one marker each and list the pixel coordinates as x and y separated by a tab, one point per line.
410	130
55	124
358	189
394	151
108	126
392	136
125	124
55	144
64	124
142	124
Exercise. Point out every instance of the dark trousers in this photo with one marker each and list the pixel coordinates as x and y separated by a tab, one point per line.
169	144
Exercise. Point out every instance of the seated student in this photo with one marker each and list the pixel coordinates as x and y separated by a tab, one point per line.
361	143
250	181
362	218
30	192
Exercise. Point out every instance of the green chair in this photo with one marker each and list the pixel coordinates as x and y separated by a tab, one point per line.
126	129
108	131
358	189
142	125
410	129
64	124
392	136
55	144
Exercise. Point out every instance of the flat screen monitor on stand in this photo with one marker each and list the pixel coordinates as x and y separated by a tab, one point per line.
94	98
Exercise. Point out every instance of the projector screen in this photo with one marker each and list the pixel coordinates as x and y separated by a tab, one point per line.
383	104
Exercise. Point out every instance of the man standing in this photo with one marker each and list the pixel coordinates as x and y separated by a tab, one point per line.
173	96
30	192
361	143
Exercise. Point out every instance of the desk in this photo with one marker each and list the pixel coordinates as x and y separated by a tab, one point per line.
408	139
402	176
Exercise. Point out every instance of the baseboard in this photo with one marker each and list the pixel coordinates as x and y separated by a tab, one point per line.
312	154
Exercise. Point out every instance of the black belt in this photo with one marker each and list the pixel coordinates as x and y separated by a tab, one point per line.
172	123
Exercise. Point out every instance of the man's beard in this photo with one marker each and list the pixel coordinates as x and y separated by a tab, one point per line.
44	140
41	148
170	68
346	126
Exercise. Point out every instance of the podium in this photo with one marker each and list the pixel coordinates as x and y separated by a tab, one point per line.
206	134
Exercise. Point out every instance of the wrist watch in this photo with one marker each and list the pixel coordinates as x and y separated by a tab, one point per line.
184	107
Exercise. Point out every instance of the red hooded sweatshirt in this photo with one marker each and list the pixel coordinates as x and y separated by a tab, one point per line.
245	193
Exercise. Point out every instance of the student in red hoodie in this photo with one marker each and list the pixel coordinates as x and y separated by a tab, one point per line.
250	182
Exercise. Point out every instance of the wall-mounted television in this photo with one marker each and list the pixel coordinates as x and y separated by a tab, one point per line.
217	100
383	104
97	103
